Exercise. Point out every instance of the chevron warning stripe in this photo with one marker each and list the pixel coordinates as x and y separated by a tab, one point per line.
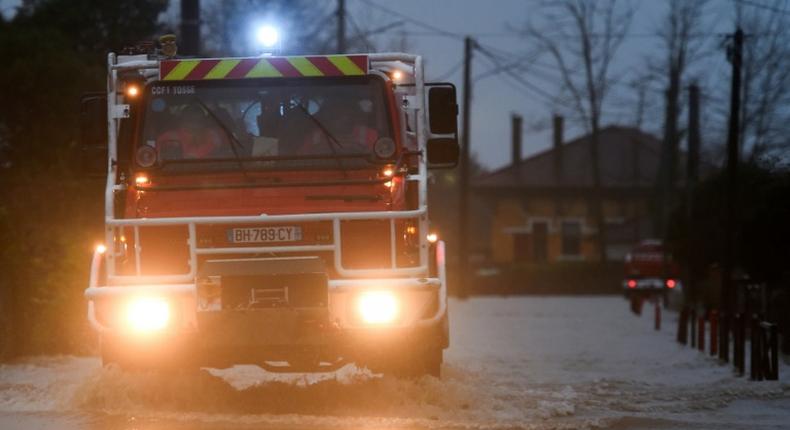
262	67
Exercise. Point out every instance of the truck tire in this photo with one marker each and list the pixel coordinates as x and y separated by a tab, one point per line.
108	354
112	355
418	362
432	361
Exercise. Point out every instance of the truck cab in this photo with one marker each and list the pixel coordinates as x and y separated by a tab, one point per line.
271	211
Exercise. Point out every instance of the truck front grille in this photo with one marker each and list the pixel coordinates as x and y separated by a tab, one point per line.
269	291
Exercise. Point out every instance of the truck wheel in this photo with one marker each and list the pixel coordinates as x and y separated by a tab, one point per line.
432	361
112	355
108	355
418	363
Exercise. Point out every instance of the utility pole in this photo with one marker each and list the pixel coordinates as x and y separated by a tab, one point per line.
463	210
692	176
341	26
669	148
735	51
190	27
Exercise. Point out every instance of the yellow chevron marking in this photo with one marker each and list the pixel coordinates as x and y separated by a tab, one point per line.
181	70
263	69
221	69
345	65
304	66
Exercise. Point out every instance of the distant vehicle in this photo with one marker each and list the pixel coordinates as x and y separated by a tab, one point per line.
650	270
272	211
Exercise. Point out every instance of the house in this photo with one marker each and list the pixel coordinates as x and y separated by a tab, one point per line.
542	205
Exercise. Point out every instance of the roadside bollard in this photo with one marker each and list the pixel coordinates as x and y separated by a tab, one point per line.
636	305
714	333
683	326
724	337
772	343
757	348
693	331
701	333
658	314
739	351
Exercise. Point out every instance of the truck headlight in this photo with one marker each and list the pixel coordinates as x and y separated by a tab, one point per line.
378	307
147	314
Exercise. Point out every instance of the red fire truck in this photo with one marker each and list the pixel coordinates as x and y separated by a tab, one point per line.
270	210
649	270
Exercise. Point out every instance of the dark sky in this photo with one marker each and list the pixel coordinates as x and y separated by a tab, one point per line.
496	96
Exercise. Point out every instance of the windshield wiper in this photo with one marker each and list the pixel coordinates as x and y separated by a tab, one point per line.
330	139
233	141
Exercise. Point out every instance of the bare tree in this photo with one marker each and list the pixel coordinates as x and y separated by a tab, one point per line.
640	87
766	79
582	37
679	35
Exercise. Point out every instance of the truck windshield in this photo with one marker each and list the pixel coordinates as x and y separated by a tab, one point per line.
287	122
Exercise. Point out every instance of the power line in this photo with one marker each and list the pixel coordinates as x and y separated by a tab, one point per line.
450	71
414	21
517	35
534	88
765	7
434	31
359	34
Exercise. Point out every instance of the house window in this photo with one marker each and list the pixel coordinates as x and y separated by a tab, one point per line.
571	238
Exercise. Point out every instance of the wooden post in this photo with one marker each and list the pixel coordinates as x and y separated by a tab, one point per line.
714	333
693	331
464	172
658	314
730	218
683	326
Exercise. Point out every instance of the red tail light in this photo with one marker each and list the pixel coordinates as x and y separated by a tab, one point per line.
631	283
671	283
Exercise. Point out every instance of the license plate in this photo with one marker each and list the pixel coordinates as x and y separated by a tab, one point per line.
264	234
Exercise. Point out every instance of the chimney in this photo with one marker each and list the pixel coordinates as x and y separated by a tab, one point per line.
558	128
515	121
190	27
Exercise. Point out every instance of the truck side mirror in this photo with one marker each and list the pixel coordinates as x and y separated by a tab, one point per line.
442	109
443	149
93	133
443	152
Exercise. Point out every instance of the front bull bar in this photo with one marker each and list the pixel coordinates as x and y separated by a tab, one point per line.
95	292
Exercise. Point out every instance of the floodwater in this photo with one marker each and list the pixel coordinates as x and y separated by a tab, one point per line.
527	362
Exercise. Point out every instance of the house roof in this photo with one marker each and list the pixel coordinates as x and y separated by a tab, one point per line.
628	158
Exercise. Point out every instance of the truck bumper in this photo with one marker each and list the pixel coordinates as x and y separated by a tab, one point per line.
635	285
315	334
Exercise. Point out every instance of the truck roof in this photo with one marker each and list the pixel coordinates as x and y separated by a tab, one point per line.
263	67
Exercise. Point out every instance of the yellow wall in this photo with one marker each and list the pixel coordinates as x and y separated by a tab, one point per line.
508	213
513	213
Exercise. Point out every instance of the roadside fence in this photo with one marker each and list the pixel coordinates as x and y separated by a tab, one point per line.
735	330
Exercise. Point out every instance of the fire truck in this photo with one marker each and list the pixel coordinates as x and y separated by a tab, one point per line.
270	210
649	270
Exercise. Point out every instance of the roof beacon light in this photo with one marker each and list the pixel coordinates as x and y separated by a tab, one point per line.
268	36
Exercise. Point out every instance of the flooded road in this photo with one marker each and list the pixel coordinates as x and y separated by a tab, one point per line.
529	362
